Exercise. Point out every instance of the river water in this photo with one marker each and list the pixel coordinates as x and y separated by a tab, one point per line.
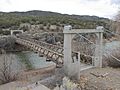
36	61
111	47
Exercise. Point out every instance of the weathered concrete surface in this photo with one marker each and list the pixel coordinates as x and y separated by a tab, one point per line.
73	31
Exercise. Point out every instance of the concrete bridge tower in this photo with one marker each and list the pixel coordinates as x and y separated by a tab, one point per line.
73	69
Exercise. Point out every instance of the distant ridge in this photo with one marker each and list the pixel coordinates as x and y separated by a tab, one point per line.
14	19
48	13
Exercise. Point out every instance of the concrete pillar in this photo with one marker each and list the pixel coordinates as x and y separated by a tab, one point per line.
98	49
67	52
78	66
71	69
11	32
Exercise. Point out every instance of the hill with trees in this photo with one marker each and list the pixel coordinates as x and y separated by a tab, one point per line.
14	19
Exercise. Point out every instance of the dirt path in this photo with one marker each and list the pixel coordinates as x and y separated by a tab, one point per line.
102	79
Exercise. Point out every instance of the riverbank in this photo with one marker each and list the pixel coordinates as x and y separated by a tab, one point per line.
92	79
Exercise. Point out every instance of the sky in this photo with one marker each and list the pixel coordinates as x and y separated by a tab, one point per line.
102	8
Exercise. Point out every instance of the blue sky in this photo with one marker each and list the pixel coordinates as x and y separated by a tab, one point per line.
102	8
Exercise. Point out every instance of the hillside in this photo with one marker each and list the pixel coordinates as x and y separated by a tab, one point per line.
47	13
11	19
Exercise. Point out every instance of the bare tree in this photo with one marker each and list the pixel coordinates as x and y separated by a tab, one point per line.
7	74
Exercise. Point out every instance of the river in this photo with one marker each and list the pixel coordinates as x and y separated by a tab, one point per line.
111	47
34	60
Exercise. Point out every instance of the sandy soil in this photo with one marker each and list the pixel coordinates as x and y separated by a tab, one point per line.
102	79
92	79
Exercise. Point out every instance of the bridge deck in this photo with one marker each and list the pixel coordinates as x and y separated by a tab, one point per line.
85	66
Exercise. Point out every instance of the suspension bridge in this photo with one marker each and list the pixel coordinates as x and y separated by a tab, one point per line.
65	56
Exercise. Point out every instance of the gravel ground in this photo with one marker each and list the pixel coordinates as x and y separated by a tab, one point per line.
92	79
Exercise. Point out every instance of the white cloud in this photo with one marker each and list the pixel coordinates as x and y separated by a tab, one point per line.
103	8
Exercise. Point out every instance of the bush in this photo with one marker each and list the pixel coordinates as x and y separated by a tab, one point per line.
7	73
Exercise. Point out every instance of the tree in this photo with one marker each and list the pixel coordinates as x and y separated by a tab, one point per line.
7	43
7	74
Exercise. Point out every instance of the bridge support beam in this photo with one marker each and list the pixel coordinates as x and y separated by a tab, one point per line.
98	49
12	31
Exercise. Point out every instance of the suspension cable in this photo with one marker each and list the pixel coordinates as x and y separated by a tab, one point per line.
86	39
95	44
112	32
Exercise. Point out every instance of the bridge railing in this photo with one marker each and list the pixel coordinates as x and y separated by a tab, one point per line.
47	45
